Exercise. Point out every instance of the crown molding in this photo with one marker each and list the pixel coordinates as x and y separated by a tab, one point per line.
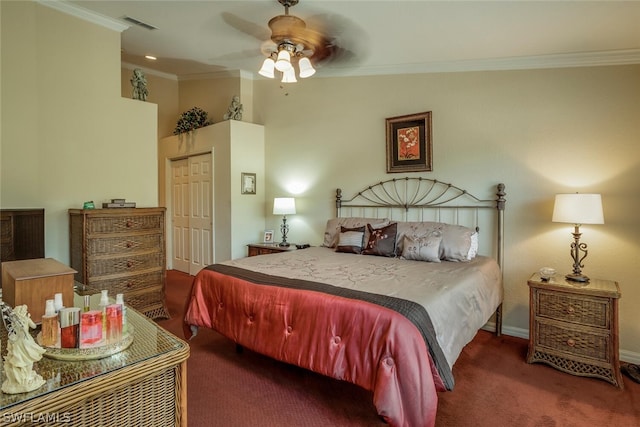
149	71
582	59
243	74
85	14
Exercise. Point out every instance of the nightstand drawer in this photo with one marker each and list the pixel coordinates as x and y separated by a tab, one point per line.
579	309
578	343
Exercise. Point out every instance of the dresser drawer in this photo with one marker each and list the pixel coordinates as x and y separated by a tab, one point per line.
124	223
124	244
579	309
573	342
126	264
133	283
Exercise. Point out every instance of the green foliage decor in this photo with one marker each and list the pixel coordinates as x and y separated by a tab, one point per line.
192	119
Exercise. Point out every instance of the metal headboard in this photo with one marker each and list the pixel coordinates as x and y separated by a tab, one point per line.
423	199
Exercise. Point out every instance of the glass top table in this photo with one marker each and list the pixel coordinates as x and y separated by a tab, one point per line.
71	385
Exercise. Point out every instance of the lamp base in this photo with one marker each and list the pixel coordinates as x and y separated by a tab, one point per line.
577	278
284	244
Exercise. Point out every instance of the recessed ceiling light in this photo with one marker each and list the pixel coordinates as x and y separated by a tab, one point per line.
153	58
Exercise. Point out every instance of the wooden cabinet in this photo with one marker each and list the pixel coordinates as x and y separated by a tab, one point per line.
21	234
123	251
268	248
574	327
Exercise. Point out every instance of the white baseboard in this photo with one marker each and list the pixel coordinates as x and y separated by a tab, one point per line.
625	355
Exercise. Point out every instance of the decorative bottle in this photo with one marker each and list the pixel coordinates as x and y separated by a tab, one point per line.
69	327
90	328
50	325
120	300
57	302
104	302
114	323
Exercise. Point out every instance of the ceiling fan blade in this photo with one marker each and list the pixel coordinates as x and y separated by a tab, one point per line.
258	31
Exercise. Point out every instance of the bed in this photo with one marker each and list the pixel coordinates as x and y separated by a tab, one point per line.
409	270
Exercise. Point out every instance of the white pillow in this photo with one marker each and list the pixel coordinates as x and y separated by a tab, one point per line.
473	249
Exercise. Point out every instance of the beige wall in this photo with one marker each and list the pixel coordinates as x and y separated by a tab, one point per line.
235	147
67	134
540	132
64	132
163	91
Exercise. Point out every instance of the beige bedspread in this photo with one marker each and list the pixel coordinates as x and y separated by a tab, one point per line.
459	297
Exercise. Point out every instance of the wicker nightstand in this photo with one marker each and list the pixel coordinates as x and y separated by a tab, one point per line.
574	327
268	248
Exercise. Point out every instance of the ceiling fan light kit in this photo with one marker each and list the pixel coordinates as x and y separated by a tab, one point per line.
294	43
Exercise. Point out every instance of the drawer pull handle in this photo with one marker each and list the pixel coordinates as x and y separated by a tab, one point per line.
129	224
129	264
571	310
129	244
571	342
129	284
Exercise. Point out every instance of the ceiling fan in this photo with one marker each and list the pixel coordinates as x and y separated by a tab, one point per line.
292	41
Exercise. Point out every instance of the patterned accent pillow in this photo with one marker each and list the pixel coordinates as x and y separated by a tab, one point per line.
332	230
382	240
424	248
350	240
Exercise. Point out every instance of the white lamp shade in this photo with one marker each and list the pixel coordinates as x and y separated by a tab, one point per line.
578	208
306	69
284	206
289	76
283	63
267	68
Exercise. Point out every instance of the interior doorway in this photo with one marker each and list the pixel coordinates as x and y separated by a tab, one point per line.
192	213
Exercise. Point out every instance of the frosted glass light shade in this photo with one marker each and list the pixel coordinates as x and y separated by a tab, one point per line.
289	76
578	208
306	69
267	68
284	206
283	63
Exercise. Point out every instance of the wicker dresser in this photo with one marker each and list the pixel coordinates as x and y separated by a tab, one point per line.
123	251
574	327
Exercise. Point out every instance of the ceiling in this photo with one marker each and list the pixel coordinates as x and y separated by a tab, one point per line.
381	37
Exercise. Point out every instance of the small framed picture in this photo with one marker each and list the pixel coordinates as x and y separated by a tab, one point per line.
248	183
268	236
409	143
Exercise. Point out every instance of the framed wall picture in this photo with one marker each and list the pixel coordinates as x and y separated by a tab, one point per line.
268	236
248	183
409	143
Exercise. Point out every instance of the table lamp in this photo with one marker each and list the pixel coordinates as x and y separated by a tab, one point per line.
284	206
578	209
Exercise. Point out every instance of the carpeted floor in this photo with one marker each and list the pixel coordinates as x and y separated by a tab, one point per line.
495	387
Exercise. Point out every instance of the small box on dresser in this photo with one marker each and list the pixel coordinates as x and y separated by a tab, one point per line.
122	251
573	327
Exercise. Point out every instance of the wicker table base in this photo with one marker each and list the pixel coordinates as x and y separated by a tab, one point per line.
144	385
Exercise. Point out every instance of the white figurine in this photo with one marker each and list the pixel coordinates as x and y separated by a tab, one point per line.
22	352
235	110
